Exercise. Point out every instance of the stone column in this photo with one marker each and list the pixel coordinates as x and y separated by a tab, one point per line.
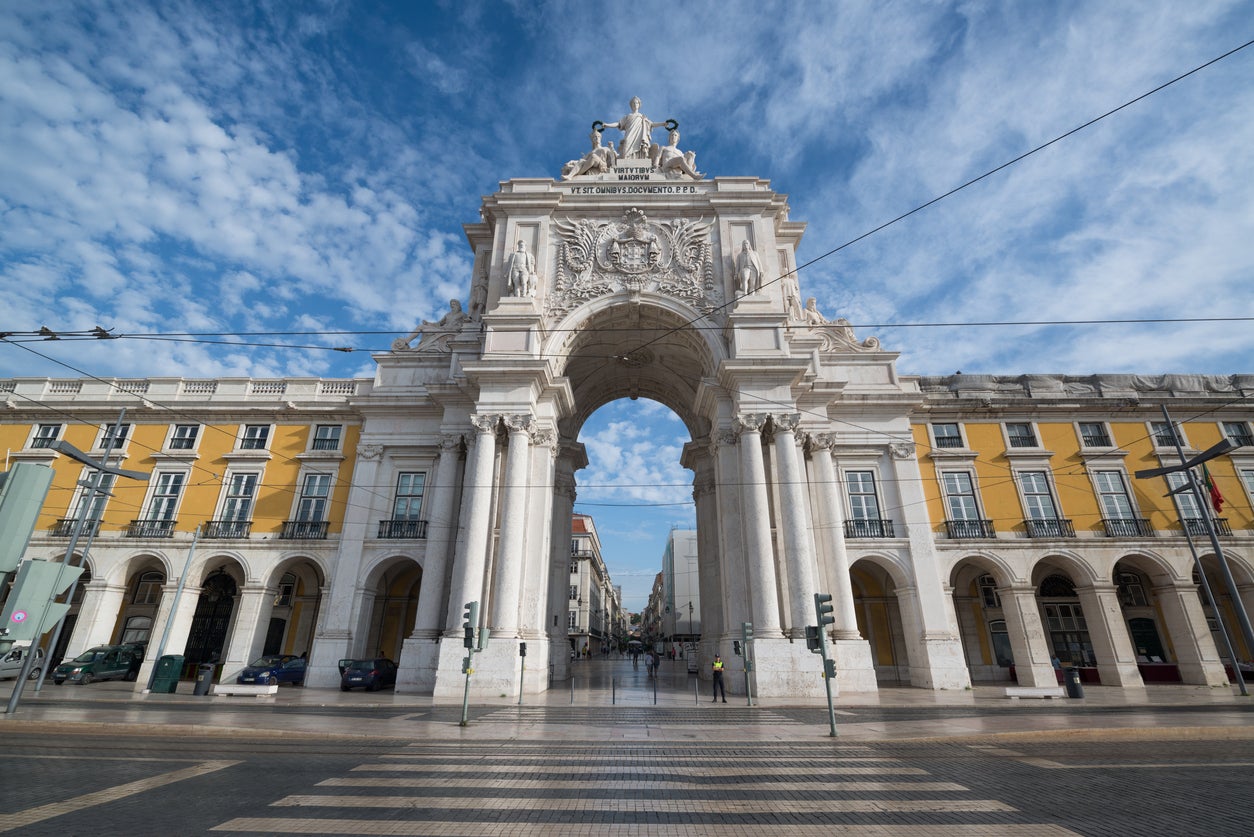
855	664
1116	658
252	610
713	623
509	566
432	596
798	540
938	649
335	640
467	583
731	546
833	526
559	565
180	619
761	554
1196	654
538	554
97	616
1033	666
419	651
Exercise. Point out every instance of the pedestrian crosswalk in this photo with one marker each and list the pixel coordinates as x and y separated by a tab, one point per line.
521	789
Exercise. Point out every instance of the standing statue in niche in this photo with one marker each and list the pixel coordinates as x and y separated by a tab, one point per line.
670	158
636	128
792	296
748	270
520	272
599	160
451	321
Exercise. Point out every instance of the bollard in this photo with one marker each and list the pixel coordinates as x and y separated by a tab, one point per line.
572	690
1072	678
613	691
696	697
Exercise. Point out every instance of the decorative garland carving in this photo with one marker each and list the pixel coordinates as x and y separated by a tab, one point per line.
598	258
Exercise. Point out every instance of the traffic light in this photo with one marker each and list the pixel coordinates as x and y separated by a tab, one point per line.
823	609
522	649
470	620
829	669
812	639
736	647
38	582
746	631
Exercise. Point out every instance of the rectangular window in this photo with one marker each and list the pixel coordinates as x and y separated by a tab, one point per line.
327	437
947	435
574	591
1186	502
1113	492
240	491
184	437
255	436
1247	477
97	507
1163	437
1093	434
165	496
1239	433
107	440
573	621
45	435
863	504
1021	435
1038	500
314	492
574	568
408	505
960	496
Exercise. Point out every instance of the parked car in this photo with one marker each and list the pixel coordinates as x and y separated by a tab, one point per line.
273	669
11	663
104	662
372	674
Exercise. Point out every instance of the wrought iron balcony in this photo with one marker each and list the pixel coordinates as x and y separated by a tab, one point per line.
1127	527
1096	440
1245	440
868	528
399	529
227	529
1051	528
150	529
64	528
948	441
970	529
304	530
1197	526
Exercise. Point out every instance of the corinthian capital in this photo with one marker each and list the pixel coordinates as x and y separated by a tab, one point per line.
751	422
519	422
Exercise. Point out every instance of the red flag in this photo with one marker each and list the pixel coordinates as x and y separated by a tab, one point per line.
1216	499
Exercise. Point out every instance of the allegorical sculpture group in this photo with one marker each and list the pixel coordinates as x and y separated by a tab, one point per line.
637	144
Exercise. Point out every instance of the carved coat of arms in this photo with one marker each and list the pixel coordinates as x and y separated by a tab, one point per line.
597	258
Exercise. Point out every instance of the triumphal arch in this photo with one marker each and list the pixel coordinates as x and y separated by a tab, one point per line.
635	274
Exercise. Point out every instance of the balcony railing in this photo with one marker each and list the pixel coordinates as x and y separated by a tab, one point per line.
948	441
1096	440
304	530
1127	527
1197	526
868	529
1051	528
1243	439
401	529
970	529
64	528
1020	441
150	529
227	529
326	444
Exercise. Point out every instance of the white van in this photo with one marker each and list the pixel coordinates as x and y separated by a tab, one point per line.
11	663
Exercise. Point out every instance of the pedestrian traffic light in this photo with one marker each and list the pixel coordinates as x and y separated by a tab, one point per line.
812	639
823	609
736	647
470	620
522	649
829	669
37	584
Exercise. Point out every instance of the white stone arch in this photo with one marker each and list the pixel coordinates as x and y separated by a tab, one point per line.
387	606
883	621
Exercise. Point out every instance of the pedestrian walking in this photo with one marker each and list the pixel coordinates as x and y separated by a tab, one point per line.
648	663
718	680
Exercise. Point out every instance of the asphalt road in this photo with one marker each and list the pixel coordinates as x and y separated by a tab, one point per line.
58	784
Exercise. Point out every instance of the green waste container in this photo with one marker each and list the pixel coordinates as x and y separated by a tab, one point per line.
165	679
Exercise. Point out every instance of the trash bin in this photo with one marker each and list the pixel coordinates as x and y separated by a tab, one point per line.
165	676
1072	678
204	679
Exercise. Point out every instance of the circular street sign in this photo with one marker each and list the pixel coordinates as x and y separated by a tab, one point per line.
18	616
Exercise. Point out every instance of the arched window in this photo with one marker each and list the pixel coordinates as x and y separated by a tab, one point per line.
1057	587
988	592
1068	632
148	588
137	630
1131	590
287	589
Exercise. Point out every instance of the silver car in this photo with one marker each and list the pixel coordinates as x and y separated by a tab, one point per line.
11	662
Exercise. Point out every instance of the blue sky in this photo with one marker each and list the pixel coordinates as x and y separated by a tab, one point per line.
306	167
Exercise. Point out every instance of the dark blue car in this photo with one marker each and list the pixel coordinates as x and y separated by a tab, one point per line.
273	669
372	674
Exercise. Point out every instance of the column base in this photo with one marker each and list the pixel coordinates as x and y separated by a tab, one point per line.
780	669
324	663
498	669
937	662
855	668
420	658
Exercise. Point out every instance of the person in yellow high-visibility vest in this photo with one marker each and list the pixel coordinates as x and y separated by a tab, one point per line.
718	679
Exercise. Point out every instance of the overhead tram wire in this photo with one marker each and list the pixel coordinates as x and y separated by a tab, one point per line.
951	192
